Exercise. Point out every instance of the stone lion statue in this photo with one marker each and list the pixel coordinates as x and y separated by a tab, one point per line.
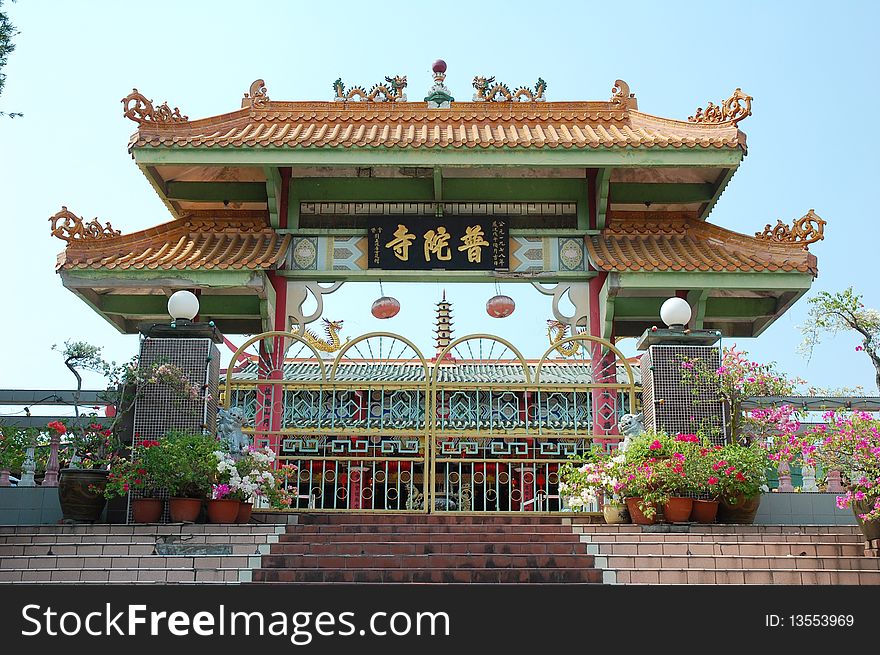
630	425
229	424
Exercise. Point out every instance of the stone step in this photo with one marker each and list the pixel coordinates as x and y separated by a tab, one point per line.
148	528
121	562
432	576
427	537
432	561
125	576
427	519
197	538
741	548
642	562
685	538
430	547
788	576
715	528
109	548
407	529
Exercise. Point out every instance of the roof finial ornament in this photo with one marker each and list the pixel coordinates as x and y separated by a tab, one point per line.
808	229
444	324
737	107
141	110
620	95
488	91
72	227
257	96
439	96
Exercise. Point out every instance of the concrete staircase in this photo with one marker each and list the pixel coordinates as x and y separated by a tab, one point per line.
727	554
436	549
133	554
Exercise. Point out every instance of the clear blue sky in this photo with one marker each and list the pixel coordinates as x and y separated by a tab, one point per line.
811	68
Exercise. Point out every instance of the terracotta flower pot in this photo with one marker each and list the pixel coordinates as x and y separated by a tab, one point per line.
184	510
638	517
146	510
742	511
704	511
244	512
871	529
224	510
615	513
678	509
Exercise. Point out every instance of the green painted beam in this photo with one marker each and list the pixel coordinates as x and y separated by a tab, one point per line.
603	184
217	191
372	275
438	186
719	189
637	193
364	189
141	305
715	280
176	279
466	157
273	194
725	307
697	300
628	307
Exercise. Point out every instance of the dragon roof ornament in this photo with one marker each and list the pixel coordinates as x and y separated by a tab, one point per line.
808	229
737	107
490	91
392	91
620	95
257	96
141	110
69	227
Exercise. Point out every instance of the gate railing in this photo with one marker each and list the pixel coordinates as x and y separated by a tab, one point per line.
479	430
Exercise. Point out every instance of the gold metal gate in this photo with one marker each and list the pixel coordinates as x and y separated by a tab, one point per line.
378	428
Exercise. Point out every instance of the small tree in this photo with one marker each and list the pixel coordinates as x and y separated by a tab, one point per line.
844	311
7	31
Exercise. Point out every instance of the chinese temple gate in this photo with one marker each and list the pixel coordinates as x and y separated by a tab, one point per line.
596	202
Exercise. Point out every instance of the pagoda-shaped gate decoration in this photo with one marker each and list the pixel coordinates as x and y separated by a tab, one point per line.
477	429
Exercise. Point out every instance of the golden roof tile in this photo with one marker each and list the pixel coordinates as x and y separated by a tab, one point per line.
464	125
189	243
688	244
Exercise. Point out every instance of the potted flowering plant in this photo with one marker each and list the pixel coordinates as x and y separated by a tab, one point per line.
849	442
587	479
137	471
251	477
184	464
742	473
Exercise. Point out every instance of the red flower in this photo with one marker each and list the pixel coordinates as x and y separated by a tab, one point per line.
656	445
58	426
713	480
740	477
730	469
142	471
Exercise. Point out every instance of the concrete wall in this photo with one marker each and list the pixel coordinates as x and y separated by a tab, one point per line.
802	509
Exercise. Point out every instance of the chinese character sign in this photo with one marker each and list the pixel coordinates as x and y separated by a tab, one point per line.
421	243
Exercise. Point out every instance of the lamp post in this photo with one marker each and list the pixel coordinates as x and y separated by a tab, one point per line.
183	306
675	312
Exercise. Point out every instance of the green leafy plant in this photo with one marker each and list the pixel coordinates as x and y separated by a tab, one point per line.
14	442
184	463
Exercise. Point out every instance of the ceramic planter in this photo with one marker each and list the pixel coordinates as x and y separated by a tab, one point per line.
678	509
638	517
704	511
224	510
244	513
184	510
742	511
871	529
81	494
146	510
615	513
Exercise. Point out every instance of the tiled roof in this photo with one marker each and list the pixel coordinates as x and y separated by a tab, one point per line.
688	244
194	243
464	125
564	372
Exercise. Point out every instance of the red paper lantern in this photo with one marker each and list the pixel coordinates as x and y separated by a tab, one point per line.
500	306
385	307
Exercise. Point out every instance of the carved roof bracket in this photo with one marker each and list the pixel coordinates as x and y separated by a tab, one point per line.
69	227
808	229
737	107
141	110
621	96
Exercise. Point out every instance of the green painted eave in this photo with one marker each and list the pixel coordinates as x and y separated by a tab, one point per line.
465	157
217	191
713	280
633	193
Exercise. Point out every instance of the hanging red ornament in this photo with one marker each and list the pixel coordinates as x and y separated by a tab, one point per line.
385	307
500	306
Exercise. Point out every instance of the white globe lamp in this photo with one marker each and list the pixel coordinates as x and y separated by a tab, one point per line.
183	305
675	312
